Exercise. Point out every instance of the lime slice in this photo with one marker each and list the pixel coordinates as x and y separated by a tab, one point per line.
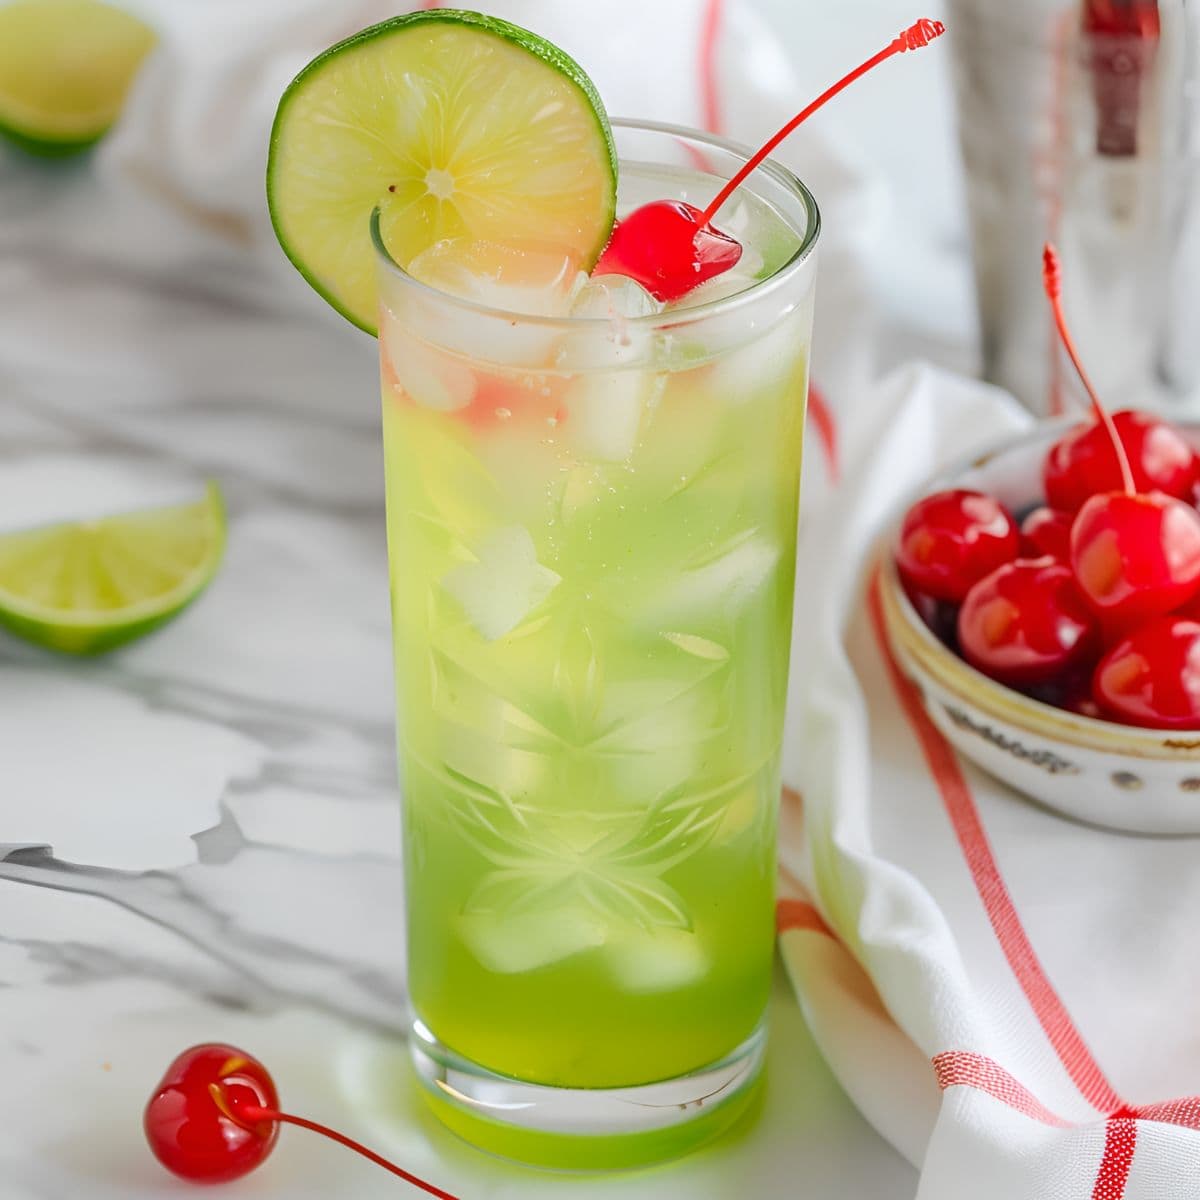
87	586
453	124
65	66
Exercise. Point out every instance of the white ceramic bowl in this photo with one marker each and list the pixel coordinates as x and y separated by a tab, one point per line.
1136	780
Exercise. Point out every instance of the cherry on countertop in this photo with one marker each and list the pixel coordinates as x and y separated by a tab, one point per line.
215	1116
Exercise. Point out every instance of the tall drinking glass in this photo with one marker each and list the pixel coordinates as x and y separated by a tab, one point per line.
591	531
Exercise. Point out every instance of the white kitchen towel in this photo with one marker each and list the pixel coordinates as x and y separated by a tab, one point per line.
1009	997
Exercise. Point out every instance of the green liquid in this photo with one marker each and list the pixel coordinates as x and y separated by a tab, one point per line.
591	651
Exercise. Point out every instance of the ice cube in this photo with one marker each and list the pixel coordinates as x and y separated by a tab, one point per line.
728	283
764	367
489	742
657	961
603	411
613	297
423	374
512	942
524	279
521	279
610	332
727	582
505	583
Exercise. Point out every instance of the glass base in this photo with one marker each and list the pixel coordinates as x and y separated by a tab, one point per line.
582	1129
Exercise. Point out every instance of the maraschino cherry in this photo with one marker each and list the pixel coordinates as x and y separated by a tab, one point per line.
950	540
1047	531
1084	462
1135	554
1152	677
1026	623
669	247
215	1116
190	1122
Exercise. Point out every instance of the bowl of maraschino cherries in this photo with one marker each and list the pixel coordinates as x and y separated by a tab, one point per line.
1046	601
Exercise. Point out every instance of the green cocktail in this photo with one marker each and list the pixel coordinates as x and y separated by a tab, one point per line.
591	528
591	524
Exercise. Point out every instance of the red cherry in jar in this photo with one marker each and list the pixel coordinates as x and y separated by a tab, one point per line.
1152	677
1046	531
952	539
1084	462
1026	623
1136	556
192	1123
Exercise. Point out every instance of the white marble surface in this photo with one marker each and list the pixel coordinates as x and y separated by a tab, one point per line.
227	785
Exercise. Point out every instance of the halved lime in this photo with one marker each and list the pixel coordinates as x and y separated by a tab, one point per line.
87	586
65	66
455	125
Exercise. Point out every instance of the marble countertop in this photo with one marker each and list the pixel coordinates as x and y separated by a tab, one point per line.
220	797
226	787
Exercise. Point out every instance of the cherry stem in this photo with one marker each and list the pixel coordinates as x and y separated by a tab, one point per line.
252	1113
1052	282
913	38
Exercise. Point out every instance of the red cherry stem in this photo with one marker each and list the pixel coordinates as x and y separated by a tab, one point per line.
913	38
252	1113
1052	282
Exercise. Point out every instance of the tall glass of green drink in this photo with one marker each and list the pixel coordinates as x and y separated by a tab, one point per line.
591	506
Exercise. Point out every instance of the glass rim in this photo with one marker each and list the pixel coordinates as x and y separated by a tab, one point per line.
710	308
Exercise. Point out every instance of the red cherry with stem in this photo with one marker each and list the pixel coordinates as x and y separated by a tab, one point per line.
669	247
1026	622
189	1121
1134	554
215	1116
1083	463
1152	677
950	540
1046	531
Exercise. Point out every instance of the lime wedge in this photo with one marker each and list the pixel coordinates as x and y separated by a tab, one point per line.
65	66
453	124
87	586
